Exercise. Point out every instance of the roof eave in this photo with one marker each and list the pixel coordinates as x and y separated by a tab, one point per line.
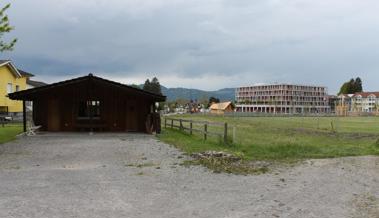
13	68
24	94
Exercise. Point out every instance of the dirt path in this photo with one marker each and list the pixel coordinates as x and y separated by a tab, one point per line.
113	175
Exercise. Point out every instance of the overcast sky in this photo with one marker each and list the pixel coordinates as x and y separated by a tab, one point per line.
205	44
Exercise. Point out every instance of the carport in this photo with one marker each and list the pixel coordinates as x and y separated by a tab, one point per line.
91	103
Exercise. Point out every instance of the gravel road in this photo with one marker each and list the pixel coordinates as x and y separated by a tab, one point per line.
135	175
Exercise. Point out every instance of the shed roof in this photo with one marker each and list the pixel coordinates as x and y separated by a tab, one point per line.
29	93
220	106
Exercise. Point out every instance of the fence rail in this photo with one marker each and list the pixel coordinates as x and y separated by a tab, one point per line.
178	123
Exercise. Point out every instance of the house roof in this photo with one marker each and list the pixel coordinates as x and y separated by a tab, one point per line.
24	73
29	93
35	83
220	106
366	94
17	72
346	95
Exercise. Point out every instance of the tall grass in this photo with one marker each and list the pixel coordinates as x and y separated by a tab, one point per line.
280	138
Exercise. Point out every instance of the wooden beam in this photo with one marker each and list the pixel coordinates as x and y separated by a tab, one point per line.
24	114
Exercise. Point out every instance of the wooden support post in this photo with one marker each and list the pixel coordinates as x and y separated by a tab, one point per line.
24	114
172	124
225	133
180	124
191	127
234	134
165	123
205	131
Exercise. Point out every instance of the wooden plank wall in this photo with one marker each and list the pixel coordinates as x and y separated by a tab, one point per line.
120	110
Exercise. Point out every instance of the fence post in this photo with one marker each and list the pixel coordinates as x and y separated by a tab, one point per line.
165	123
205	131
172	123
180	124
225	133
234	134
191	127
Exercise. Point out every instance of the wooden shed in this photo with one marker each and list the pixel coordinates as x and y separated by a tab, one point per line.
91	103
221	108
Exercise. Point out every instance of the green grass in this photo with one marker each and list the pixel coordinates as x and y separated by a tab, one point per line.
285	138
9	132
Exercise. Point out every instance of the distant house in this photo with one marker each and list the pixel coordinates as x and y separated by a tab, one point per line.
34	84
91	103
11	80
30	84
221	108
343	104
358	104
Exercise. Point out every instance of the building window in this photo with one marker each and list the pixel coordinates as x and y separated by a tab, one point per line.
89	109
17	88
9	88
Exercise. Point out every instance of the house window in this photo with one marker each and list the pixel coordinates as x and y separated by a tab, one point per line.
9	88
17	88
89	108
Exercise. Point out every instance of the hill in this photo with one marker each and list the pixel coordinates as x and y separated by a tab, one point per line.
226	94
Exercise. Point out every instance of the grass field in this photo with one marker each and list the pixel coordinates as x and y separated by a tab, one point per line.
9	132
285	138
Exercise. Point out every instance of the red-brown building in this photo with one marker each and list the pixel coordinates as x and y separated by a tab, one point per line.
91	103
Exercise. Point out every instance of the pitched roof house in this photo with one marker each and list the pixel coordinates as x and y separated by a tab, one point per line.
11	80
358	103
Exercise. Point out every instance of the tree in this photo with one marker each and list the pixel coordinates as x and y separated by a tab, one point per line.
154	86
358	85
213	100
147	86
351	87
5	27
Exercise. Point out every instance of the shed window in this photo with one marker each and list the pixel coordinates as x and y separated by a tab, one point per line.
17	88
88	109
9	88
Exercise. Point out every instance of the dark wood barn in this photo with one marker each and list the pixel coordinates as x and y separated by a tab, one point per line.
91	103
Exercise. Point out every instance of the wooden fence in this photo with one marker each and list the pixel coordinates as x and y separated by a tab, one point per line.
178	123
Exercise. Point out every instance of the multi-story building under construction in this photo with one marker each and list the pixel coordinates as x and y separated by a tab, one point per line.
282	98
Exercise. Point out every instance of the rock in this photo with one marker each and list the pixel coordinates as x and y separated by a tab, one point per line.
215	154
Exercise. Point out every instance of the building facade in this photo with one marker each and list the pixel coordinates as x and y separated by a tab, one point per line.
11	80
282	99
358	103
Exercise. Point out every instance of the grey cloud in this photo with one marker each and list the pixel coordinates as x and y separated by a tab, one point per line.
313	42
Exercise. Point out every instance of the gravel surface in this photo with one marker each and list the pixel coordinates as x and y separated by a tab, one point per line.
133	175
